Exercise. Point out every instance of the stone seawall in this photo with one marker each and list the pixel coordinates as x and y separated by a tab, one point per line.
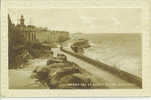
119	73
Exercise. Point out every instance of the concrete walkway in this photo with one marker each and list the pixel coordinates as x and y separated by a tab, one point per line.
110	80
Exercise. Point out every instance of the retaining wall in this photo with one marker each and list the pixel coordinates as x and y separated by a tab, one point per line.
119	73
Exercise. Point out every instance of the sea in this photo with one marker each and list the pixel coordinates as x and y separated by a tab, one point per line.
122	51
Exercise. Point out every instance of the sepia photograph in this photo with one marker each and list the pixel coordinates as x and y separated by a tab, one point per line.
74	48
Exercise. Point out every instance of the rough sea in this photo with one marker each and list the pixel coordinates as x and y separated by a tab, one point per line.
122	51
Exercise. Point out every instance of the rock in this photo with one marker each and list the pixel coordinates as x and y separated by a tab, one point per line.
53	60
59	59
61	75
80	45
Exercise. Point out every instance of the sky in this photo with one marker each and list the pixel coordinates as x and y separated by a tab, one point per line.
85	20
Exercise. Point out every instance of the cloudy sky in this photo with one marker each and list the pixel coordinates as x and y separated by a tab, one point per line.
86	20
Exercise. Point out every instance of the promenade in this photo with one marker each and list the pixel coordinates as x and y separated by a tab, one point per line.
99	76
110	80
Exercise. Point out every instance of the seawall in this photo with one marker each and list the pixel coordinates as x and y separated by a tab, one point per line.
119	73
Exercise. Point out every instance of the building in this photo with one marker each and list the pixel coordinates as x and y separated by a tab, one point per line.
28	31
58	36
32	33
45	35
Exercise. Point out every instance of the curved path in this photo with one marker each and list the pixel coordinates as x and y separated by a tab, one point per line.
110	80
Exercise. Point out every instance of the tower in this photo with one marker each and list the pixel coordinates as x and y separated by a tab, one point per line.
22	20
9	20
